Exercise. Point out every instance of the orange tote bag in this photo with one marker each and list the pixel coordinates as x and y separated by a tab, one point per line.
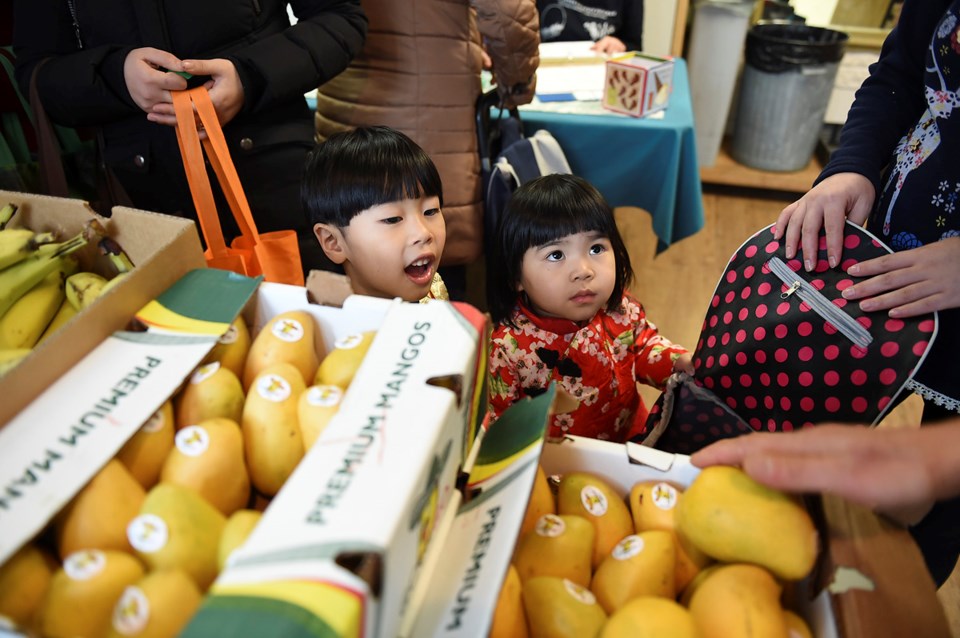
275	255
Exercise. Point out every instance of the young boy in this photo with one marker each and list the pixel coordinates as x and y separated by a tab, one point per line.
374	198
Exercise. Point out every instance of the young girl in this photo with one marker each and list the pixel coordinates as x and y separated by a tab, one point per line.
556	290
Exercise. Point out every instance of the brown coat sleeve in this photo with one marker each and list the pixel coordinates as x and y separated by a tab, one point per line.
511	32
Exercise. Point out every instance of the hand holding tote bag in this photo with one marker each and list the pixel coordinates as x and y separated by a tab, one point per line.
275	255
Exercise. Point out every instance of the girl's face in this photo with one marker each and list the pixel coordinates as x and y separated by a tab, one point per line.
571	277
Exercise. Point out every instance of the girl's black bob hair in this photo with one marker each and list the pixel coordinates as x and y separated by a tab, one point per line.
542	210
362	168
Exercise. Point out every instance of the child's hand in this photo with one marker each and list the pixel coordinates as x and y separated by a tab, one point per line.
684	363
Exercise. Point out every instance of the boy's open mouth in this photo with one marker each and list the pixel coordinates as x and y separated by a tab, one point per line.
420	271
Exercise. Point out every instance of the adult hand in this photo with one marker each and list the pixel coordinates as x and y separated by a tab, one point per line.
226	91
148	85
684	363
827	205
910	282
887	469
608	45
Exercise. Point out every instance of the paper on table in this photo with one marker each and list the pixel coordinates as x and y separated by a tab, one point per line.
561	51
580	82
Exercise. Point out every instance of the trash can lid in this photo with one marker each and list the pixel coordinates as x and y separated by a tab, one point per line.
776	47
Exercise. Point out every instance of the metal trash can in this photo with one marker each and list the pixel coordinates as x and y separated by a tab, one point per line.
787	79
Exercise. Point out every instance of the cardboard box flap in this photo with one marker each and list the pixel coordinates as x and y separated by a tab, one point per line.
162	248
463	591
58	442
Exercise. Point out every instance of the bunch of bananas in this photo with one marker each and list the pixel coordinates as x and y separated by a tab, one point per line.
41	284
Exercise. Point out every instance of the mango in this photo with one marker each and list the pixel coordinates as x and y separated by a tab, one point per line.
541	502
509	618
291	337
560	608
24	580
144	453
159	605
235	533
209	459
97	517
653	506
83	592
315	407
731	517
213	391
587	495
341	364
738	600
650	617
639	565
797	627
232	347
178	528
273	444
560	546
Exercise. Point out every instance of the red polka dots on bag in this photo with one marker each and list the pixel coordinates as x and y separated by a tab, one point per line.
781	349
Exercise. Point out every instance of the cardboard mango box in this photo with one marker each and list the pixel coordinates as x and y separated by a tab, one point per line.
870	579
162	248
58	441
339	548
637	84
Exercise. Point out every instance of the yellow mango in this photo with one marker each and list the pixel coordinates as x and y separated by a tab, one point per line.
208	458
738	600
144	453
587	495
159	605
560	546
178	528
291	337
24	580
232	347
731	517
83	592
97	517
560	608
639	565
341	364
797	627
509	618
315	407
235	533
650	617
212	391
273	445
541	502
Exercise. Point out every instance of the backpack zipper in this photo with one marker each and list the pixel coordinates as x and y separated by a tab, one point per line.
844	323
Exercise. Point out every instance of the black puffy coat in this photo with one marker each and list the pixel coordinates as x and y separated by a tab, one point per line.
277	63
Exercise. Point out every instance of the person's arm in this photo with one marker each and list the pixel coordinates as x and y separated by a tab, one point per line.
657	357
888	102
78	87
511	33
881	468
327	36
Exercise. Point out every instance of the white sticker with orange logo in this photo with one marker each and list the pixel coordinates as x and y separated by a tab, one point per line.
664	496
582	594
289	330
192	440
593	500
148	533
349	342
84	564
230	336
132	612
550	525
629	547
324	396
273	387
204	372
154	423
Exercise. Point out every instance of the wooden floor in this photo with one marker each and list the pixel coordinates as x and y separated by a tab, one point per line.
676	286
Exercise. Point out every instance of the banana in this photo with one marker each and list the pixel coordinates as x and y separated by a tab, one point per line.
10	358
94	230
7	213
83	288
19	278
64	314
22	325
16	244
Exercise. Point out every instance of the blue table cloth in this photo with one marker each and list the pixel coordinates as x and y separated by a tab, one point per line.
648	162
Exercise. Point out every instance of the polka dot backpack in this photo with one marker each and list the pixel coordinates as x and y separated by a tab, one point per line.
780	349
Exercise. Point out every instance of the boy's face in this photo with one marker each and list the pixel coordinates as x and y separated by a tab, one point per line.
389	250
571	278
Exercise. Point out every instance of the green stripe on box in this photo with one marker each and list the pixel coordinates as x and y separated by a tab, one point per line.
251	617
209	294
518	427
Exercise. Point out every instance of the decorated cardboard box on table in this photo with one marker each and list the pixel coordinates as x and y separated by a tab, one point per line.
637	84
